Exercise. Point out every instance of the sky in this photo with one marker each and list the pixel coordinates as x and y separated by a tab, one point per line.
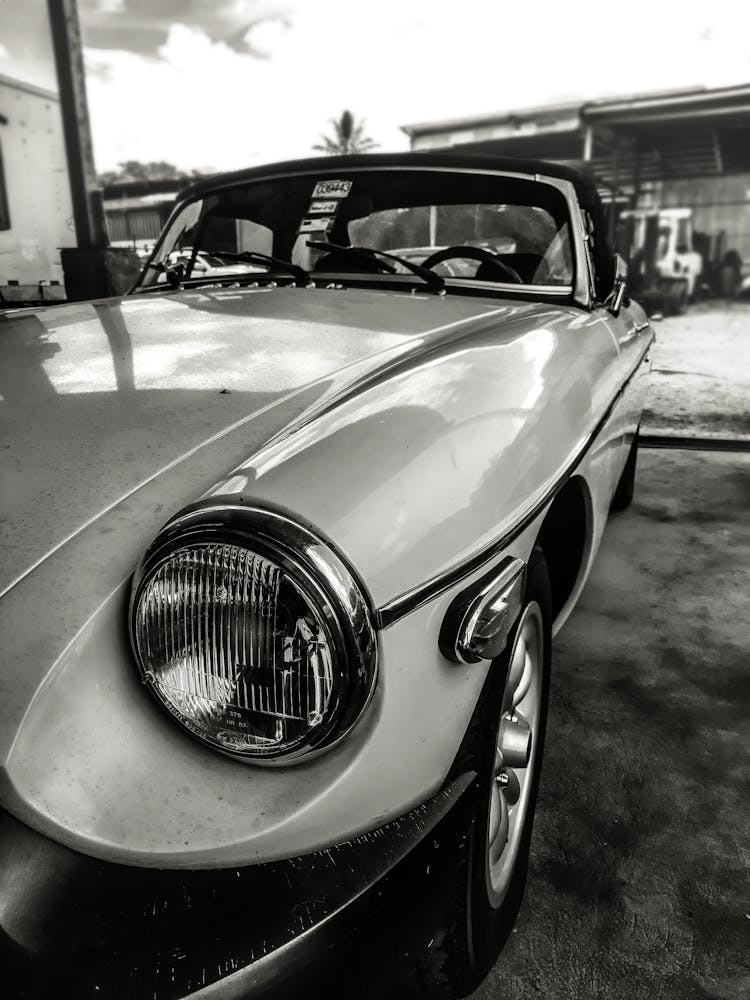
222	84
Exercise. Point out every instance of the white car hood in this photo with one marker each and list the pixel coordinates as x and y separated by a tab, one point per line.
98	398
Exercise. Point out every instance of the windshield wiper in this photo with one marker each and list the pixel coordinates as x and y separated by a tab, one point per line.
174	274
435	281
255	257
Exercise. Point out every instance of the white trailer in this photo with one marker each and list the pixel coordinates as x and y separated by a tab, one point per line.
36	213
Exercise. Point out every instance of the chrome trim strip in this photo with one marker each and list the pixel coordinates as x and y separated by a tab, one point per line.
412	599
508	286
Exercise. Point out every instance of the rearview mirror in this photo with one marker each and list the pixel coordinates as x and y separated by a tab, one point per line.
617	294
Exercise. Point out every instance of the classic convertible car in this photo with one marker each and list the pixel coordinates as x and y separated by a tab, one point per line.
283	553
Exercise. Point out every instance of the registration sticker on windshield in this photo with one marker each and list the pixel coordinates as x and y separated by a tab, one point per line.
323	207
318	225
332	189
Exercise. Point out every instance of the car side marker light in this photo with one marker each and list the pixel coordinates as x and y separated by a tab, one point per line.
478	622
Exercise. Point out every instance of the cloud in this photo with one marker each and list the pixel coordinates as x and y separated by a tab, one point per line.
232	84
143	26
199	104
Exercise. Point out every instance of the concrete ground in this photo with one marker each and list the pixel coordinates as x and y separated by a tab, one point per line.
638	883
700	383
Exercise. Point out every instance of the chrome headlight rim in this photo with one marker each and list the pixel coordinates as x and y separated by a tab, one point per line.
314	565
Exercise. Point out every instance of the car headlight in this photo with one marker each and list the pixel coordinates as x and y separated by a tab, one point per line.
253	633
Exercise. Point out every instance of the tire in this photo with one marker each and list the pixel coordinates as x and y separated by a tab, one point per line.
674	294
482	910
626	486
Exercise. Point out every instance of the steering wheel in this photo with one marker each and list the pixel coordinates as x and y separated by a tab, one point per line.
473	253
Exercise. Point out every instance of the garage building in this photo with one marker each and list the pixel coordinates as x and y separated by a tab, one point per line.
688	149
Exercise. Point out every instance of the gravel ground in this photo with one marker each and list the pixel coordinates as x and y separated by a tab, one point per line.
701	376
638	883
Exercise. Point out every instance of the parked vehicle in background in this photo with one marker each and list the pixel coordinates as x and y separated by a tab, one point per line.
198	263
278	615
722	265
675	254
664	269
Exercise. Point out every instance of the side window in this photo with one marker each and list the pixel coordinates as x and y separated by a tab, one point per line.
4	212
556	266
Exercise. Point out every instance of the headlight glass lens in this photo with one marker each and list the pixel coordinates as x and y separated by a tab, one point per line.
241	650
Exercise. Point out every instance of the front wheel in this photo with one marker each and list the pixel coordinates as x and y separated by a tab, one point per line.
492	855
623	495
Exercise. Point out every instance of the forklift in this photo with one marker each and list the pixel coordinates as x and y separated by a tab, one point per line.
664	270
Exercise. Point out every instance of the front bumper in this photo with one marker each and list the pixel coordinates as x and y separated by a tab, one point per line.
71	925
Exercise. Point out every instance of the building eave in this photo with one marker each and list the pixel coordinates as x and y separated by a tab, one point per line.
28	88
550	111
666	104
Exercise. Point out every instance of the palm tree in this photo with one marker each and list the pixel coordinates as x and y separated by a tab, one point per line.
349	137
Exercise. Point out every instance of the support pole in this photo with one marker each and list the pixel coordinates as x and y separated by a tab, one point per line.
615	188
92	269
636	176
588	142
88	209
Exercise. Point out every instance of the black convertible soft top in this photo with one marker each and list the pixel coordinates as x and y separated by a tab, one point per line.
583	181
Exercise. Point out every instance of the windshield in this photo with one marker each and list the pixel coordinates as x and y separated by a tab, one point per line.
488	228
